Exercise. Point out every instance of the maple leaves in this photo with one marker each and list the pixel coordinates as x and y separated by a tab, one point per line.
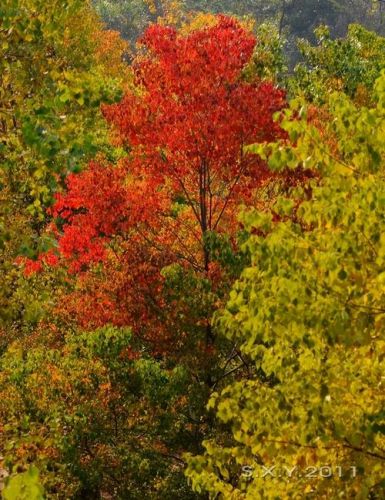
184	126
147	236
194	114
98	205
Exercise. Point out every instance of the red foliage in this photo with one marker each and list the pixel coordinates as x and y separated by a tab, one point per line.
32	266
194	113
186	126
99	204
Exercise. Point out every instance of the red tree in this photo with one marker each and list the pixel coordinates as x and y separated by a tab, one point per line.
192	116
185	173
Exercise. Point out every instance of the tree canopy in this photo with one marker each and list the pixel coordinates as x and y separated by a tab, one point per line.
191	249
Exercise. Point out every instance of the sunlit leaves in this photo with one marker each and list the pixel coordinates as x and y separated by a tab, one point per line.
24	486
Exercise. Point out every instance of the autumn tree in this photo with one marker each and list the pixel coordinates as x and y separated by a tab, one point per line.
184	176
88	412
109	392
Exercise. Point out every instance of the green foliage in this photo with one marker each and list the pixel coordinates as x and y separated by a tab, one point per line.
50	88
308	318
24	486
351	64
268	59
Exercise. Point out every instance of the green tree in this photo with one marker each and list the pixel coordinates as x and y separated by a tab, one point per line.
350	64
308	317
51	87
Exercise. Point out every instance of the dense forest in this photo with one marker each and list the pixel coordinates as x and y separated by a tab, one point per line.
192	249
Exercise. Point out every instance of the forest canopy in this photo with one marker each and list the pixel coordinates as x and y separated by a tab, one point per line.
192	249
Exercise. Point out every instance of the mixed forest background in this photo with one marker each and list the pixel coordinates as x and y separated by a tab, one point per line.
192	249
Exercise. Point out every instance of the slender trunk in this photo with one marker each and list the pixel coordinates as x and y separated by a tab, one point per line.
205	216
282	18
